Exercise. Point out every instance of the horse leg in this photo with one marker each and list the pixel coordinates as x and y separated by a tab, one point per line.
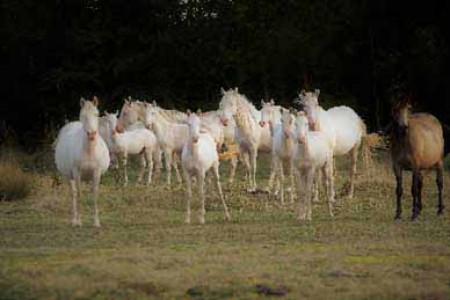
142	165
94	189
315	187
124	166
273	172
246	159
415	194
176	162
328	174
187	179
168	162
354	153
157	162
254	156
281	170
399	191
419	193
309	181
291	181
301	194
215	172
234	162
440	186
75	189
149	159
201	191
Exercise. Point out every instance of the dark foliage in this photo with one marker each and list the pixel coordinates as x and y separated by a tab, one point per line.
360	53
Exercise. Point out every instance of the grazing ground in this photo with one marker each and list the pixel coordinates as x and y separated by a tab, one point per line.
144	250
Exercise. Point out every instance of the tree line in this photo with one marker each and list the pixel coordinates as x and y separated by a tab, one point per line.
181	52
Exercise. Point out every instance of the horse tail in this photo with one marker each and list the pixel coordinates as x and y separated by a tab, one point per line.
365	146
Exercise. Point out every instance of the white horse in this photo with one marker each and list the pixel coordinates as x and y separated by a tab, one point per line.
283	145
171	136
131	117
80	153
344	129
105	131
140	141
313	152
250	136
198	157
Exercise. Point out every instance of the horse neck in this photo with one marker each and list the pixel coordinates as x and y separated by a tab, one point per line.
305	147
243	104
89	146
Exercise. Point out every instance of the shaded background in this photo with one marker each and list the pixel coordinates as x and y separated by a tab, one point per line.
359	53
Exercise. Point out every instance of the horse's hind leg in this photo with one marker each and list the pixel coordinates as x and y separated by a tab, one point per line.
398	191
142	165
215	172
353	171
419	192
149	160
440	186
415	194
234	162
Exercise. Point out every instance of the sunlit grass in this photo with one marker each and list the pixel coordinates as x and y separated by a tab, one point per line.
144	250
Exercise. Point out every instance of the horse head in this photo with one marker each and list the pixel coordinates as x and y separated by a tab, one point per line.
89	116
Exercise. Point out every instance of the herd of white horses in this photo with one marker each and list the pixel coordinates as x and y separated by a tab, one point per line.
302	143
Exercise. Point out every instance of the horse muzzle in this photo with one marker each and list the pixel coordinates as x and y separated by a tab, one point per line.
91	134
262	123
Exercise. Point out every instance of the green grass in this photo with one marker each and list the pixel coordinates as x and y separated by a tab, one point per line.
145	251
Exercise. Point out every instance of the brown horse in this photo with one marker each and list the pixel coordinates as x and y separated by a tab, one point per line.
417	144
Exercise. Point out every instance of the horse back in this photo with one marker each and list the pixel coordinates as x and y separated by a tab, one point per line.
348	128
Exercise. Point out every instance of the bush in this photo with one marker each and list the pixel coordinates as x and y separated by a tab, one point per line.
14	183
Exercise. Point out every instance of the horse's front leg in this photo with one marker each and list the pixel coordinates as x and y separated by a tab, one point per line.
187	179
254	157
75	186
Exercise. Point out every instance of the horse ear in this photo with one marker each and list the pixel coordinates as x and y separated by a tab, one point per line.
199	112
105	113
117	113
188	112
262	103
272	101
222	91
236	90
129	98
154	103
317	92
82	101
95	100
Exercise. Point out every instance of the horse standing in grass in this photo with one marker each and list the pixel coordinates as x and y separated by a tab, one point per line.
417	144
140	141
281	123
198	157
344	129
249	135
81	153
313	153
171	136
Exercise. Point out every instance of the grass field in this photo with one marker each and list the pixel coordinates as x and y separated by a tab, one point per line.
144	250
